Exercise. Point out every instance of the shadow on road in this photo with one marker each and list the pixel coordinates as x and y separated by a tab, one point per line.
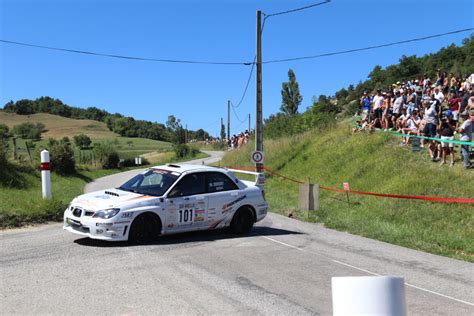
191	237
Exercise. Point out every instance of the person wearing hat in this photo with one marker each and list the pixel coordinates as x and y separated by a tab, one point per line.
446	131
466	136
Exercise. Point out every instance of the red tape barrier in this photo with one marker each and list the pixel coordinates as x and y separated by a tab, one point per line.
395	196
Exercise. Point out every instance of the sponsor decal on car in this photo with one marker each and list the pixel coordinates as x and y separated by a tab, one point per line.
199	215
103	224
228	206
121	222
103	197
127	215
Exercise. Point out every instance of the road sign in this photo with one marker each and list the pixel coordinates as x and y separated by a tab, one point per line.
257	156
345	185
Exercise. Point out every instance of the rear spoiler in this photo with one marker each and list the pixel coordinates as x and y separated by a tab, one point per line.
259	176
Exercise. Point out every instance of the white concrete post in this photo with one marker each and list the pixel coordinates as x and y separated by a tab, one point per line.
136	160
45	175
368	295
140	161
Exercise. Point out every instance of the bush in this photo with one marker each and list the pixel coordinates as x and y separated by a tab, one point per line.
184	151
28	130
82	141
4	131
111	161
62	159
3	153
106	155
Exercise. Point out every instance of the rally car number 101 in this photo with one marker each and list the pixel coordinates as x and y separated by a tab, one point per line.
169	199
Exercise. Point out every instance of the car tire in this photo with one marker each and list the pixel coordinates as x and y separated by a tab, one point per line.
242	222
145	228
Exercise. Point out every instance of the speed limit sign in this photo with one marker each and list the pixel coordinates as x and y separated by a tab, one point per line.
257	156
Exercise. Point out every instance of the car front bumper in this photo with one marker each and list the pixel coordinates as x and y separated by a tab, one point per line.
95	228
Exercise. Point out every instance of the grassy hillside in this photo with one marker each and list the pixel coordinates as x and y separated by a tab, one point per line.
58	127
374	163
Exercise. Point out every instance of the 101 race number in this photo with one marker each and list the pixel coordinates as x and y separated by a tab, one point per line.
185	216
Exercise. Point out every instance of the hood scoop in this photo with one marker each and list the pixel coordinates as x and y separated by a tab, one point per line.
111	193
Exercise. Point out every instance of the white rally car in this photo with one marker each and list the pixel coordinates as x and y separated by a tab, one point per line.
169	199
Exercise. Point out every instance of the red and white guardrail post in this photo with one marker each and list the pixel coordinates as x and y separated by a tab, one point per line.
45	175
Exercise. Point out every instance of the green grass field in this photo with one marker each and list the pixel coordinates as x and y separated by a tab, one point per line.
372	162
20	194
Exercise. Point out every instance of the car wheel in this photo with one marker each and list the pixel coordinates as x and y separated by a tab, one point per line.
242	222
145	228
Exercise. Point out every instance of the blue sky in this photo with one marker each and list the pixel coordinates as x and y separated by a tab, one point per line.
206	30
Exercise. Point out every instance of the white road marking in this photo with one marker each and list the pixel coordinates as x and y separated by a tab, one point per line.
366	271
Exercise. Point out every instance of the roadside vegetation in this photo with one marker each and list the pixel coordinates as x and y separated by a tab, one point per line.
78	155
370	162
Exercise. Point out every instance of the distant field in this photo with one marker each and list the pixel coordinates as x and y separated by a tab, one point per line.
58	127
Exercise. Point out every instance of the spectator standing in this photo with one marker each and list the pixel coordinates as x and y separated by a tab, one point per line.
388	111
446	131
378	102
397	107
438	95
466	135
365	103
455	105
430	127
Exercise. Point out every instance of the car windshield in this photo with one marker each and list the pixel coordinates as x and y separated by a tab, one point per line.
151	182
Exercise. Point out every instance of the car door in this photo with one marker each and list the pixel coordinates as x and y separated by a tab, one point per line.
224	197
186	204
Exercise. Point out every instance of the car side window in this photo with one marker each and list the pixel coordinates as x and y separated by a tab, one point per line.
217	182
190	184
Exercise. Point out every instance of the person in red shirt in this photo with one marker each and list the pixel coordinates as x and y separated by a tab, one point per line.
455	105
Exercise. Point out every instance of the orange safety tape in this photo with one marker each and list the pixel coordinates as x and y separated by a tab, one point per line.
396	196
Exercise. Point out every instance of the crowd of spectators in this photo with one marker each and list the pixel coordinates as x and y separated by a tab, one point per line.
438	109
236	141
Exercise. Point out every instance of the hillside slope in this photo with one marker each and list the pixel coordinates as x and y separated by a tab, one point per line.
371	162
57	126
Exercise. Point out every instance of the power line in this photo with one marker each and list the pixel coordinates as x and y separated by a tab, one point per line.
235	113
297	9
365	48
238	63
127	57
246	86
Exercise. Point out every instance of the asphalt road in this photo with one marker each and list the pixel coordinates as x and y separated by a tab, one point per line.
283	267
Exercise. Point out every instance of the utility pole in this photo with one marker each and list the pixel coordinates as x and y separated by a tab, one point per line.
258	116
220	129
228	119
249	124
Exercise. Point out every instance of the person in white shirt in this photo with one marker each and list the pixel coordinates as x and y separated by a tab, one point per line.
438	95
430	128
412	124
377	104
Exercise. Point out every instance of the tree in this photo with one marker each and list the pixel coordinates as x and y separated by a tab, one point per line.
290	95
28	130
222	131
4	131
177	131
82	141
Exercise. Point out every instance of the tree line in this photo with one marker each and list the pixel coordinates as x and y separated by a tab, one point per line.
123	125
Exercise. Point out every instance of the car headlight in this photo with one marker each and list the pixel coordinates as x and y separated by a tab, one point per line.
109	213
